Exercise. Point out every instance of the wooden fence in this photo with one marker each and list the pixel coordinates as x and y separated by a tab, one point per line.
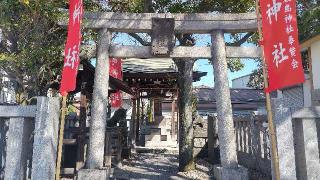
76	138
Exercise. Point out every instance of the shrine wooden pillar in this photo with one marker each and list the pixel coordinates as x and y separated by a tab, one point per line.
173	109
108	147
133	123
99	103
142	112
178	118
138	121
82	126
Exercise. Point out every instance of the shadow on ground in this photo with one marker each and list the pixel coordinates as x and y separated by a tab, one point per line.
159	166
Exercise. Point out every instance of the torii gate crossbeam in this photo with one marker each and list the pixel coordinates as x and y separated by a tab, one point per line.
198	23
214	24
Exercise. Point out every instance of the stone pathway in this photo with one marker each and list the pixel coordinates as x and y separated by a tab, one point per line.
159	166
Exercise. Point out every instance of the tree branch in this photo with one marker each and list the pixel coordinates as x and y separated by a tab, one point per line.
146	9
242	40
186	39
139	39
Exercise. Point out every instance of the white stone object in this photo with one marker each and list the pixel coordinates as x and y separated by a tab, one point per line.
17	148
285	138
45	138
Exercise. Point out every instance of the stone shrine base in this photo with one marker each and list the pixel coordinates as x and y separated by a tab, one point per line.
93	174
222	173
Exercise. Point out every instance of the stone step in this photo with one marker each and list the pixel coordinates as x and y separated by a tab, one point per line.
161	144
154	138
155	131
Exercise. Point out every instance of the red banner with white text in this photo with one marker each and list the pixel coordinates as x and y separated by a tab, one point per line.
72	48
116	72
281	44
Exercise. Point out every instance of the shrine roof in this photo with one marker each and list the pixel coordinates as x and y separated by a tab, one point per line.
154	65
157	68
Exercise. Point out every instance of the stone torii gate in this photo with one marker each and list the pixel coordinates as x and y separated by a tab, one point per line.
214	24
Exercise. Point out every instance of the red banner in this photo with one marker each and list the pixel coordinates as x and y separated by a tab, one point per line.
71	52
115	68
281	44
116	99
116	72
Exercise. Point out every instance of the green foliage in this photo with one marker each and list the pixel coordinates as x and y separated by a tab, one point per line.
184	6
235	64
71	109
256	78
150	110
308	14
32	42
134	6
308	19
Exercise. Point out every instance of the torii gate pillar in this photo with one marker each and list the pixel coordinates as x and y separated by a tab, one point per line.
94	165
229	168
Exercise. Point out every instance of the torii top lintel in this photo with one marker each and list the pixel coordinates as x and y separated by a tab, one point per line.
200	23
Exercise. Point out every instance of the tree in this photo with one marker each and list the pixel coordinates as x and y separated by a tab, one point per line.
308	18
31	43
308	15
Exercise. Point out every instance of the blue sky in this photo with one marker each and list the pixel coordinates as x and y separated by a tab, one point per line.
203	64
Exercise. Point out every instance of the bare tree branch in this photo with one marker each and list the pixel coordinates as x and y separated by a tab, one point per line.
139	39
146	9
242	40
186	39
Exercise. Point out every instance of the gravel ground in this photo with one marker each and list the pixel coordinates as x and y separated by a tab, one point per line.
163	165
159	166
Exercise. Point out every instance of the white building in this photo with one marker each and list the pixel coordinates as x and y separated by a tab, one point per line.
241	82
7	93
311	49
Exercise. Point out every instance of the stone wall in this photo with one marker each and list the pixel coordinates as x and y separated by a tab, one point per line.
200	133
158	133
4	127
252	141
253	145
28	138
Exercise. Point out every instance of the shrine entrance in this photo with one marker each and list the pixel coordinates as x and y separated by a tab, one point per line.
163	28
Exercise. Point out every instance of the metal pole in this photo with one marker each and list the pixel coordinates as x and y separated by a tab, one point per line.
62	117
275	158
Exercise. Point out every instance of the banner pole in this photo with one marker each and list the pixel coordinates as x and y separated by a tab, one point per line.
272	133
61	131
